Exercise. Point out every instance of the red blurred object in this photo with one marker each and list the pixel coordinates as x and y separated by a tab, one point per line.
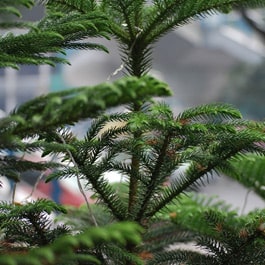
65	197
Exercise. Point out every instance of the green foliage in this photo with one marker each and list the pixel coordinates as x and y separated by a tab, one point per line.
78	219
138	25
164	143
82	6
52	34
78	249
30	223
79	103
36	117
147	144
221	236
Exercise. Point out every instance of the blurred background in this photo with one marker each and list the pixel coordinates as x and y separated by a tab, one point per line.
215	59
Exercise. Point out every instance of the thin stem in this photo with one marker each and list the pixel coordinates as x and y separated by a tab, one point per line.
79	182
35	186
15	185
37	183
14	192
245	202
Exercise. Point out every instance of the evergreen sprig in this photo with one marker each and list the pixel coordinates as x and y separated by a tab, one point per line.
79	103
80	248
137	25
51	35
82	6
29	224
218	236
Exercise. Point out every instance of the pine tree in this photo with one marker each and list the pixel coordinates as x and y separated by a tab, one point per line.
147	148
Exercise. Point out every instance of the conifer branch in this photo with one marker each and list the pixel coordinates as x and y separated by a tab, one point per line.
81	6
53	34
233	147
68	248
76	104
154	179
170	14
